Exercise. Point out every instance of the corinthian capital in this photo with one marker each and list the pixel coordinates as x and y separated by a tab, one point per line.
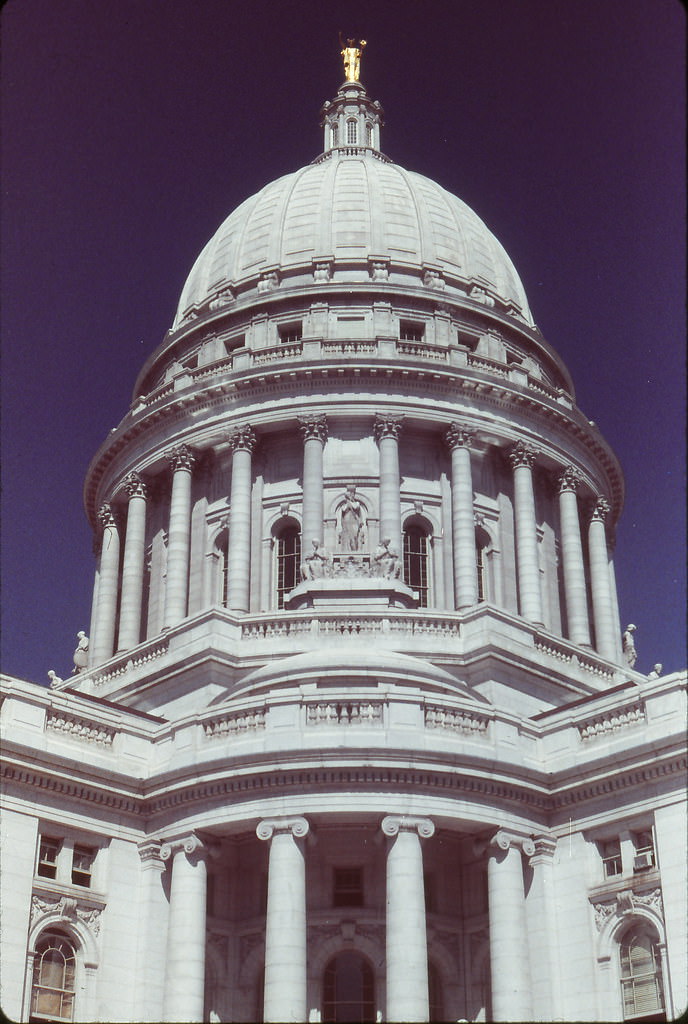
313	427
569	480
269	826
242	439
600	510
522	454
393	824
458	437
106	516
135	486
181	457
387	425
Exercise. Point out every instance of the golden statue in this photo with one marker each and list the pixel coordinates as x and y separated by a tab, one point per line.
351	55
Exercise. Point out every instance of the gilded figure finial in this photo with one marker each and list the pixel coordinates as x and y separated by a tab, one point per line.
351	55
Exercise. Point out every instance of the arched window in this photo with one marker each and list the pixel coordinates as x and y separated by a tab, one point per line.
222	554
641	975
54	978
288	556
334	129
416	559
369	133
351	133
348	989
482	544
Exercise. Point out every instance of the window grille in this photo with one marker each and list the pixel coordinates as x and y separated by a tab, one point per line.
641	975
348	989
54	979
410	331
82	865
351	133
288	562
348	887
47	857
416	562
290	333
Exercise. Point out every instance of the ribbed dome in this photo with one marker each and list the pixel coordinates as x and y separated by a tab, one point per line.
349	208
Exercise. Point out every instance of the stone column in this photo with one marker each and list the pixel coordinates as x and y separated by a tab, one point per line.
522	457
387	429
133	564
182	461
611	545
242	442
97	551
509	953
407	949
154	910
602	605
186	938
542	931
314	432
463	523
572	558
104	645
285	924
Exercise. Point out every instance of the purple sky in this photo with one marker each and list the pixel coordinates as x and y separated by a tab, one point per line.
131	129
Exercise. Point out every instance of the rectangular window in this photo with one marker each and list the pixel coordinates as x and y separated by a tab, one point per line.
411	331
348	887
290	333
644	858
47	857
610	851
82	865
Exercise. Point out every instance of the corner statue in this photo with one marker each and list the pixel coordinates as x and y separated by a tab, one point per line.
351	55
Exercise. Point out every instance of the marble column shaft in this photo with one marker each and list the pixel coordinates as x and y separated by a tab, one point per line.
522	457
406	943
133	564
285	925
542	931
186	937
600	582
108	586
572	556
509	953
387	429
314	431
463	521
177	584
242	442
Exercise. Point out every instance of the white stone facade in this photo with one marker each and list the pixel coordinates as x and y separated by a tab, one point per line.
356	738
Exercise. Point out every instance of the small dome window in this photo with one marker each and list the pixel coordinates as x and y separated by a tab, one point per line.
334	134
351	133
369	133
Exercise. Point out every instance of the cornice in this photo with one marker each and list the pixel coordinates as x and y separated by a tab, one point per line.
281	380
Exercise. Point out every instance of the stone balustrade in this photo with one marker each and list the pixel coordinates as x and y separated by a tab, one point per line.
601	726
78	728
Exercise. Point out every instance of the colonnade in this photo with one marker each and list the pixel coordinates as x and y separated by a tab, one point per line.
406	959
387	429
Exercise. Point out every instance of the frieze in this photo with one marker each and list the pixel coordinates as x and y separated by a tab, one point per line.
66	907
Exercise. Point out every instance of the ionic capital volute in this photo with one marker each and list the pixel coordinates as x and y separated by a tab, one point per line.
242	439
387	425
181	458
504	840
135	486
313	428
190	844
569	480
393	824
522	454
268	827
458	436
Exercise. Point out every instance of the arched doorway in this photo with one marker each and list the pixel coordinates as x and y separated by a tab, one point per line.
348	989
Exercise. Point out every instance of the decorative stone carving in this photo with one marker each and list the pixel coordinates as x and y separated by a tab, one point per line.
80	656
503	840
298	827
242	438
313	427
569	480
392	824
433	279
479	294
135	486
181	457
600	509
318	564
322	272
522	454
458	436
387	425
192	846
625	902
386	561
55	680
149	851
379	271
351	522
268	281
65	907
656	671
223	298
106	516
629	651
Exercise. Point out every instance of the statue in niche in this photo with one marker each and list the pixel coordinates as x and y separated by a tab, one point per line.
80	656
351	522
630	653
386	561
318	564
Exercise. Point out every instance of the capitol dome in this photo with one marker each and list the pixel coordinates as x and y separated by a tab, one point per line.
347	208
